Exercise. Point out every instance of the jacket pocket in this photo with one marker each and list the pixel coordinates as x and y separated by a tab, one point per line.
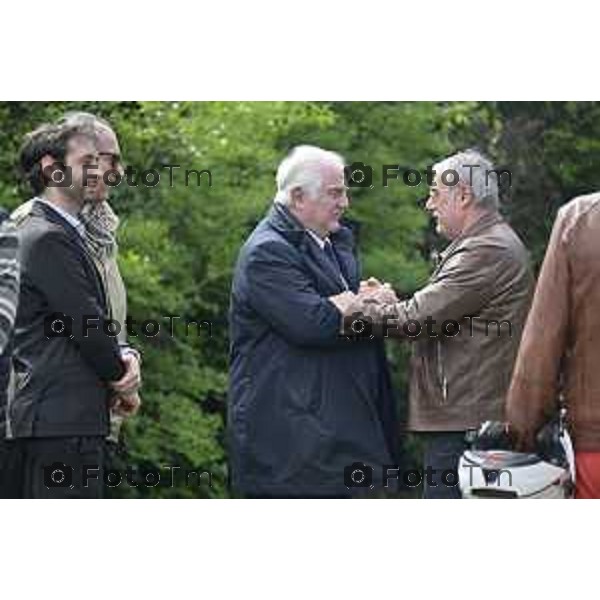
429	376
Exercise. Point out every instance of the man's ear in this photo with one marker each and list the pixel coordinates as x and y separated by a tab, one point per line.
466	194
296	197
47	161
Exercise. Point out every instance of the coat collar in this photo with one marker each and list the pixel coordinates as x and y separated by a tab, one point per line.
284	222
342	241
41	209
486	221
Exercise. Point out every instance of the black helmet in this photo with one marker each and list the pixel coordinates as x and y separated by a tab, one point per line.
492	469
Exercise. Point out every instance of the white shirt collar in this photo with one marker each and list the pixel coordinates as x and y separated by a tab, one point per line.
322	242
71	219
318	239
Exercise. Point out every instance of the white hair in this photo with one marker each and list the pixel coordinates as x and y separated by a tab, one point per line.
475	171
301	168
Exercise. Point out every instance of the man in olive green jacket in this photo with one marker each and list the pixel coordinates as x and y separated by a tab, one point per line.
466	322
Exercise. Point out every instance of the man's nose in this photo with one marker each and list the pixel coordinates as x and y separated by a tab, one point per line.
344	201
104	166
91	174
429	204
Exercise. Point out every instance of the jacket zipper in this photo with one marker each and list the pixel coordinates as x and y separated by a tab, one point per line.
441	375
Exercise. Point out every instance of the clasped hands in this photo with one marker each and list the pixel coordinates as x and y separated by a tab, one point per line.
125	401
370	291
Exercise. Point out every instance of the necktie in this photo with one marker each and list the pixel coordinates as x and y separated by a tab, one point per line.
333	259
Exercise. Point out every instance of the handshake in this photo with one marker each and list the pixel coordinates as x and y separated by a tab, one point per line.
371	291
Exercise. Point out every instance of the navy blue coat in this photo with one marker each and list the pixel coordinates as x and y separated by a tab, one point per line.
304	402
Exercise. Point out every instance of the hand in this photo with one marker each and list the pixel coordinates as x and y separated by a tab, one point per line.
523	440
385	295
374	291
132	379
126	405
346	302
369	286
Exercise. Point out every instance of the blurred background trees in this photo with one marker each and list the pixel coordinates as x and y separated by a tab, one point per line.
178	243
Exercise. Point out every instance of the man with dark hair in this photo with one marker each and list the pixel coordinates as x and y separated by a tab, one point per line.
101	225
65	366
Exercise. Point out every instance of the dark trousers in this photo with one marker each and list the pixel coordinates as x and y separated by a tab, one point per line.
11	468
63	467
442	453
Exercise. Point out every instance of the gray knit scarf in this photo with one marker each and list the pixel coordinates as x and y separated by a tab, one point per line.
101	224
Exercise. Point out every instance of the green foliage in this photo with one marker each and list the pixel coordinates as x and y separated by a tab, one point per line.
178	243
551	150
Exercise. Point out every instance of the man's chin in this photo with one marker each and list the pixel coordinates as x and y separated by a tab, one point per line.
334	226
95	198
440	230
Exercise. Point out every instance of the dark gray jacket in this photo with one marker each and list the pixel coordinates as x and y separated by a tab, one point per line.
61	382
304	403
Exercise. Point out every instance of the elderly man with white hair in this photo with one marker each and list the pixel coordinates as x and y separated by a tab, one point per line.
466	323
310	412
